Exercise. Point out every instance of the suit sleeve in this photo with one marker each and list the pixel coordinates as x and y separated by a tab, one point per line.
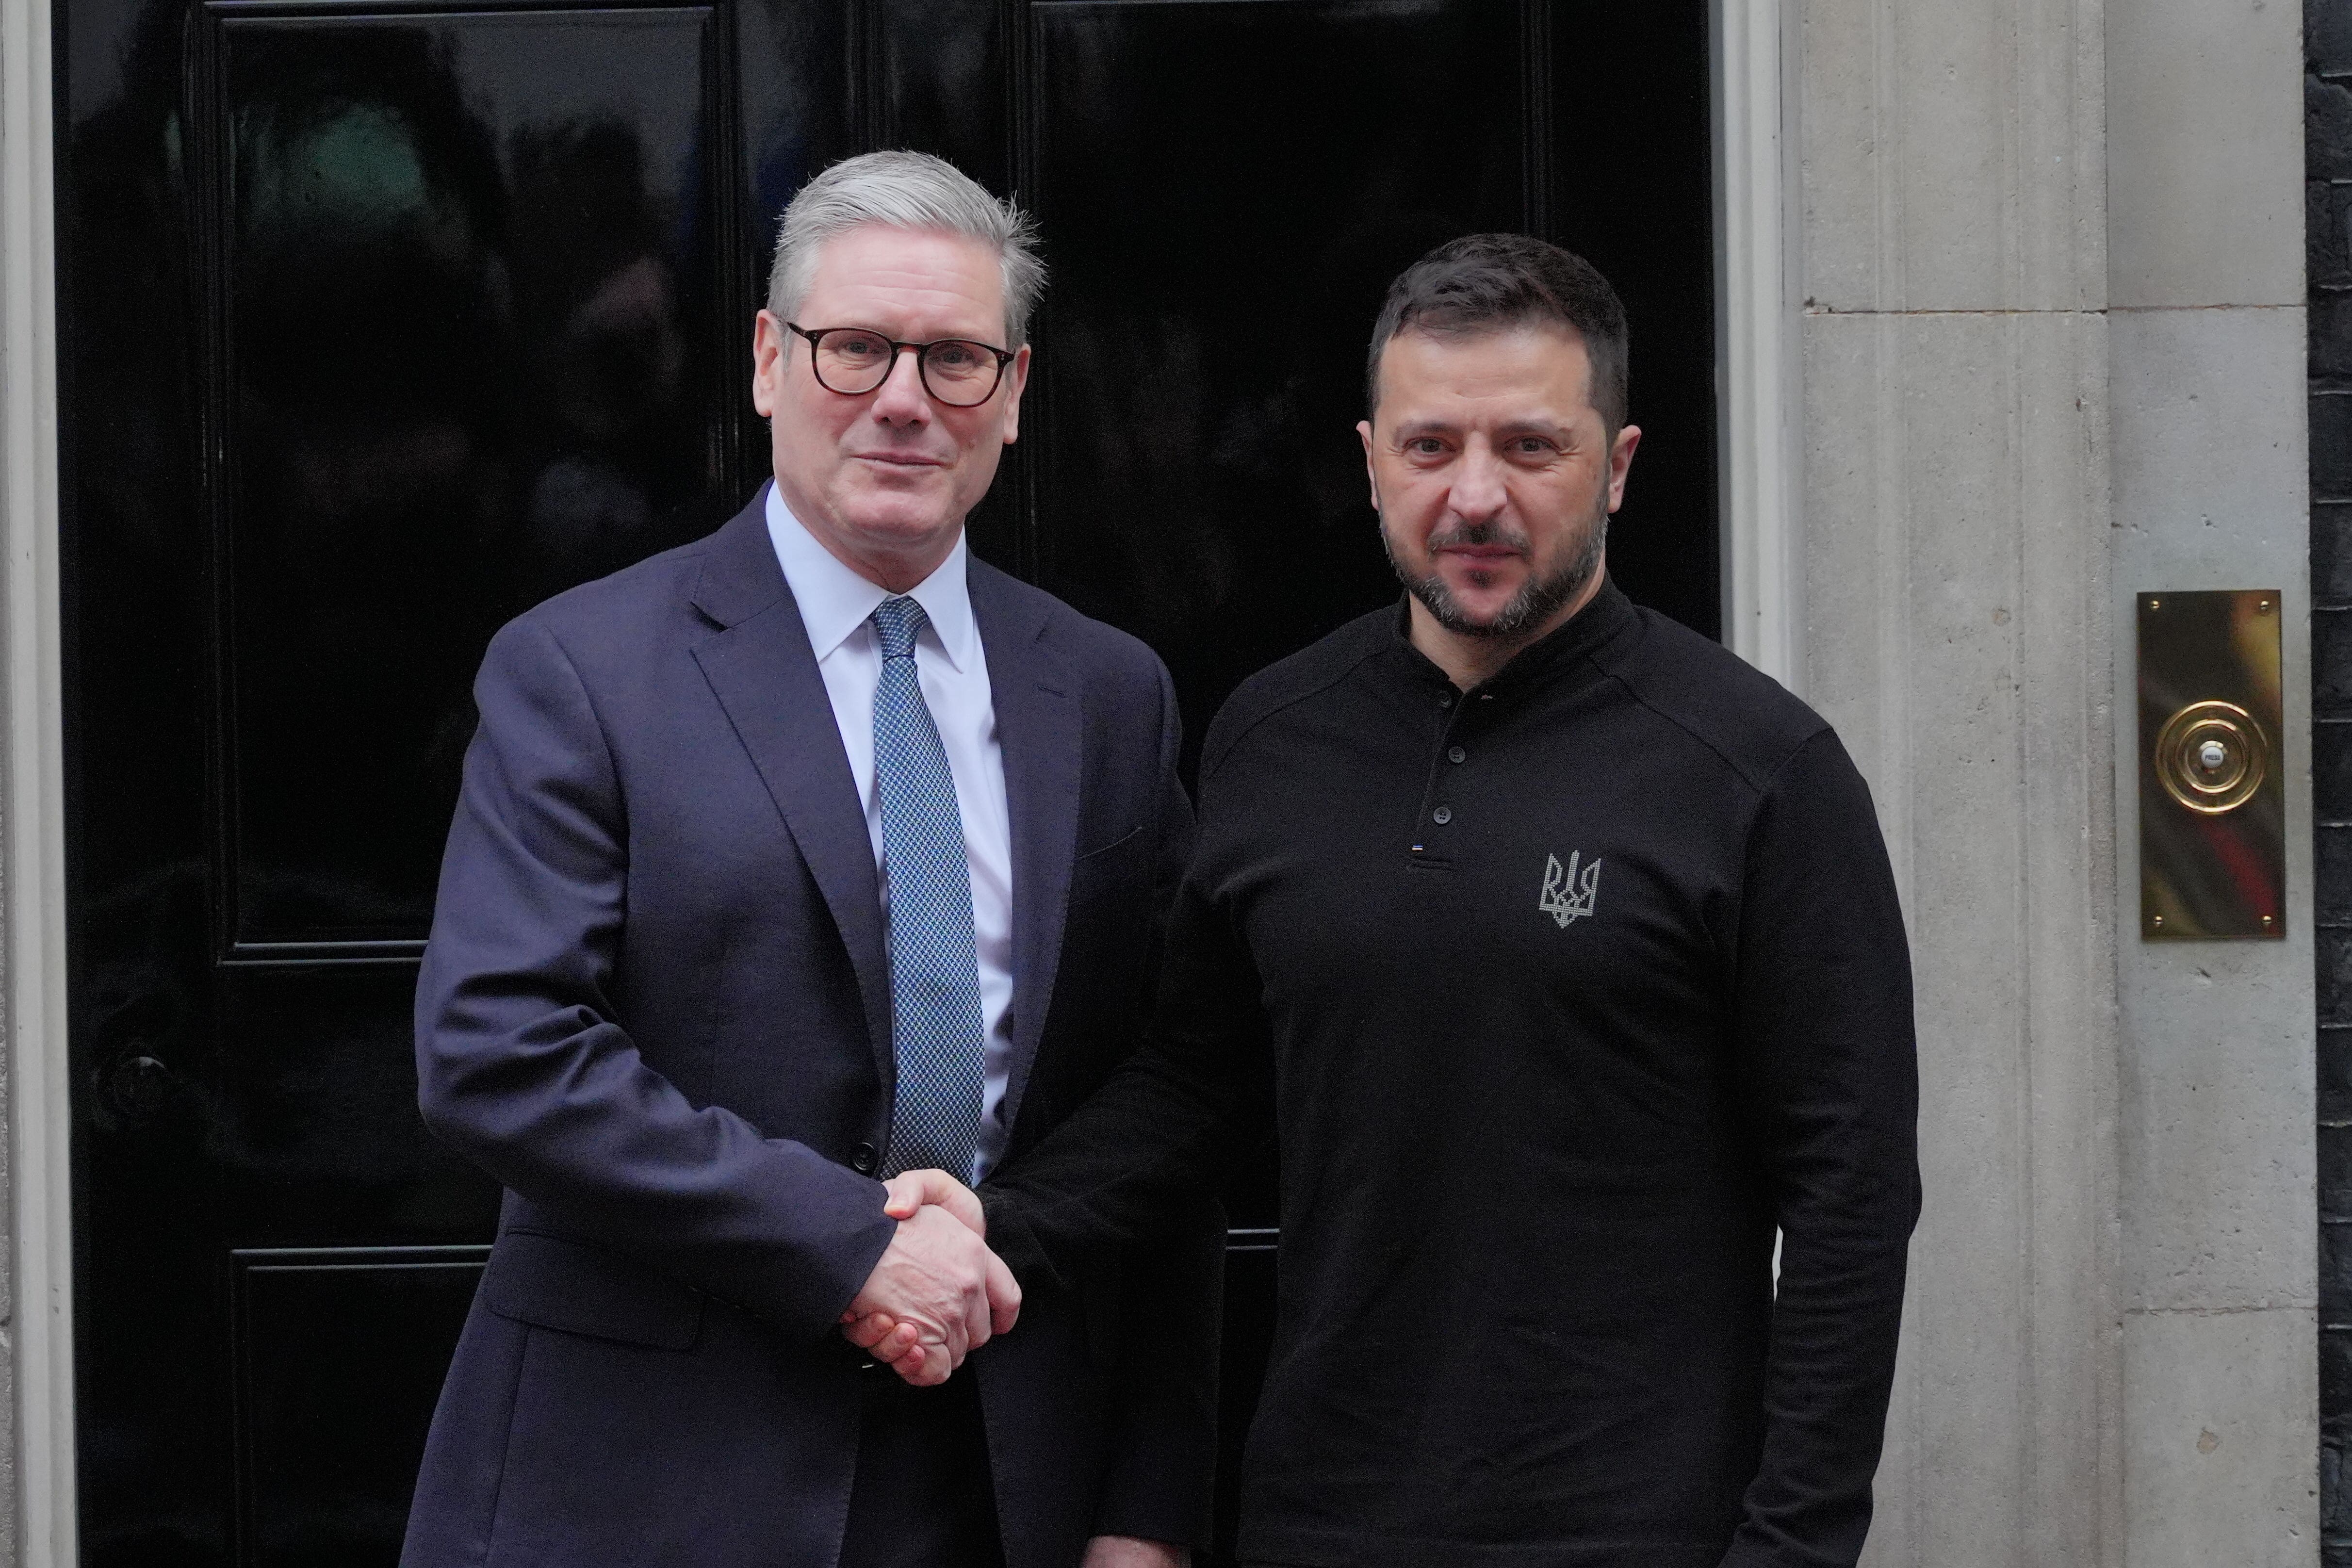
1827	1055
523	1066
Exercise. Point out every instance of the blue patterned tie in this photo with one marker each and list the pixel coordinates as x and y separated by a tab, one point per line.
935	1019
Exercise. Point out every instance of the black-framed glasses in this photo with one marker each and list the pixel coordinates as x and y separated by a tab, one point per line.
854	360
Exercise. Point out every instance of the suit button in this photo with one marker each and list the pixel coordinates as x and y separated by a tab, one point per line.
862	1159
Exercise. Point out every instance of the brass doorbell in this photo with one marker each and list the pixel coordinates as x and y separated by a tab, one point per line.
2213	808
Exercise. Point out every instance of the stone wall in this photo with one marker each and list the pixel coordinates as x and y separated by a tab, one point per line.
2050	327
1955	515
2217	1277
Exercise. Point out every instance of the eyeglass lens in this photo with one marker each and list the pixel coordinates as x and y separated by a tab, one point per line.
957	372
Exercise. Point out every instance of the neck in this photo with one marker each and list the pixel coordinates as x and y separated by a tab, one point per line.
898	574
894	571
1472	661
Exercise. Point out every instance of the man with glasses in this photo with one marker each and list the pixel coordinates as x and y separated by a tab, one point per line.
787	863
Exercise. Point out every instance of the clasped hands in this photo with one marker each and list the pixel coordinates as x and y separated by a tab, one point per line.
938	1293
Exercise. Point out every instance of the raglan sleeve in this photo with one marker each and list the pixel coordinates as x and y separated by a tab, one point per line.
1161	1129
1160	1478
1826	1049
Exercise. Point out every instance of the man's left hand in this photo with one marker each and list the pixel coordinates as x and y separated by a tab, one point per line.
1127	1551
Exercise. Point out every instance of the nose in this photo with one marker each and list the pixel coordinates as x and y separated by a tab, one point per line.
901	399
1479	492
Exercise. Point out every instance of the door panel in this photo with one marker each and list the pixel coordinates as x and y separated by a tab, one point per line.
339	1355
435	313
1208	331
429	415
1226	192
381	321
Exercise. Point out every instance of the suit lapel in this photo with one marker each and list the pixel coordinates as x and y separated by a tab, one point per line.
1037	728
760	669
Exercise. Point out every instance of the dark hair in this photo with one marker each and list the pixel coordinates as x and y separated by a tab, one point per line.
1487	282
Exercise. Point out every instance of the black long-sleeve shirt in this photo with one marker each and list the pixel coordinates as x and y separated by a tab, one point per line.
1574	986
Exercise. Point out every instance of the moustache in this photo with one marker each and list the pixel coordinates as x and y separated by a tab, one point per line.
1478	536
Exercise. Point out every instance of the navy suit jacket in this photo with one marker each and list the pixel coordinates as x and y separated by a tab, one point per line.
657	1007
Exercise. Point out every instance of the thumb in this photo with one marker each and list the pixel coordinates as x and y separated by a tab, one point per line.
1003	1294
915	1189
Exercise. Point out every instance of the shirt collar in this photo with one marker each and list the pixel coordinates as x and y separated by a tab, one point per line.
836	601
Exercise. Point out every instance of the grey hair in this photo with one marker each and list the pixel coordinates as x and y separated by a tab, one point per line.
905	190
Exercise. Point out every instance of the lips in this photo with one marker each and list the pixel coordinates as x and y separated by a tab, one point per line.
1481	561
899	459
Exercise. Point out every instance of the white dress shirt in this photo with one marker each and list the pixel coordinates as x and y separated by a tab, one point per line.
834	604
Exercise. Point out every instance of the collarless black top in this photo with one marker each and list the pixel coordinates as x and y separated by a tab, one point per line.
1574	987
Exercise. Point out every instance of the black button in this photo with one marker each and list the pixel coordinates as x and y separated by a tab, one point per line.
1442	816
1454	753
1446	699
862	1159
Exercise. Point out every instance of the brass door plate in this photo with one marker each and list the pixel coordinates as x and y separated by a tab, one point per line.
2213	806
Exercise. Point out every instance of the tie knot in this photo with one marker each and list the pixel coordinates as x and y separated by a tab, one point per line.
896	620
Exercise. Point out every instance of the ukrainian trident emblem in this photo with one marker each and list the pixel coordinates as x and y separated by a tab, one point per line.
1567	895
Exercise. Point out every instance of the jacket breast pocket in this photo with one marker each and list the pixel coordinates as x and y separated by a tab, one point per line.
551	1282
1130	839
1110	892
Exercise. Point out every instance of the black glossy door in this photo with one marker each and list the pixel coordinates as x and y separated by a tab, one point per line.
385	319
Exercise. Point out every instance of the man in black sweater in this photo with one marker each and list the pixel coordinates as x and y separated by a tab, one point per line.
1574	946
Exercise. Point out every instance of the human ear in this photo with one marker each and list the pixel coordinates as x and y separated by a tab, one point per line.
769	358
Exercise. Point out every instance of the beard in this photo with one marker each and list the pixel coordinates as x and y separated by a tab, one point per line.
1539	598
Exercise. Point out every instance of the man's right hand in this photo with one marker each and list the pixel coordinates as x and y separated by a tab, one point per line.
939	1289
912	1190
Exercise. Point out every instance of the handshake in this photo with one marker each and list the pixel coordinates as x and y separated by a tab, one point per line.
938	1293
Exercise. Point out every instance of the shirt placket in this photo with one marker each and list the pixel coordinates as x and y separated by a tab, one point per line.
1467	718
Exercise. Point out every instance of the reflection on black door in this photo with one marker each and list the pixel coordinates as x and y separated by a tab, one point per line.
385	319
